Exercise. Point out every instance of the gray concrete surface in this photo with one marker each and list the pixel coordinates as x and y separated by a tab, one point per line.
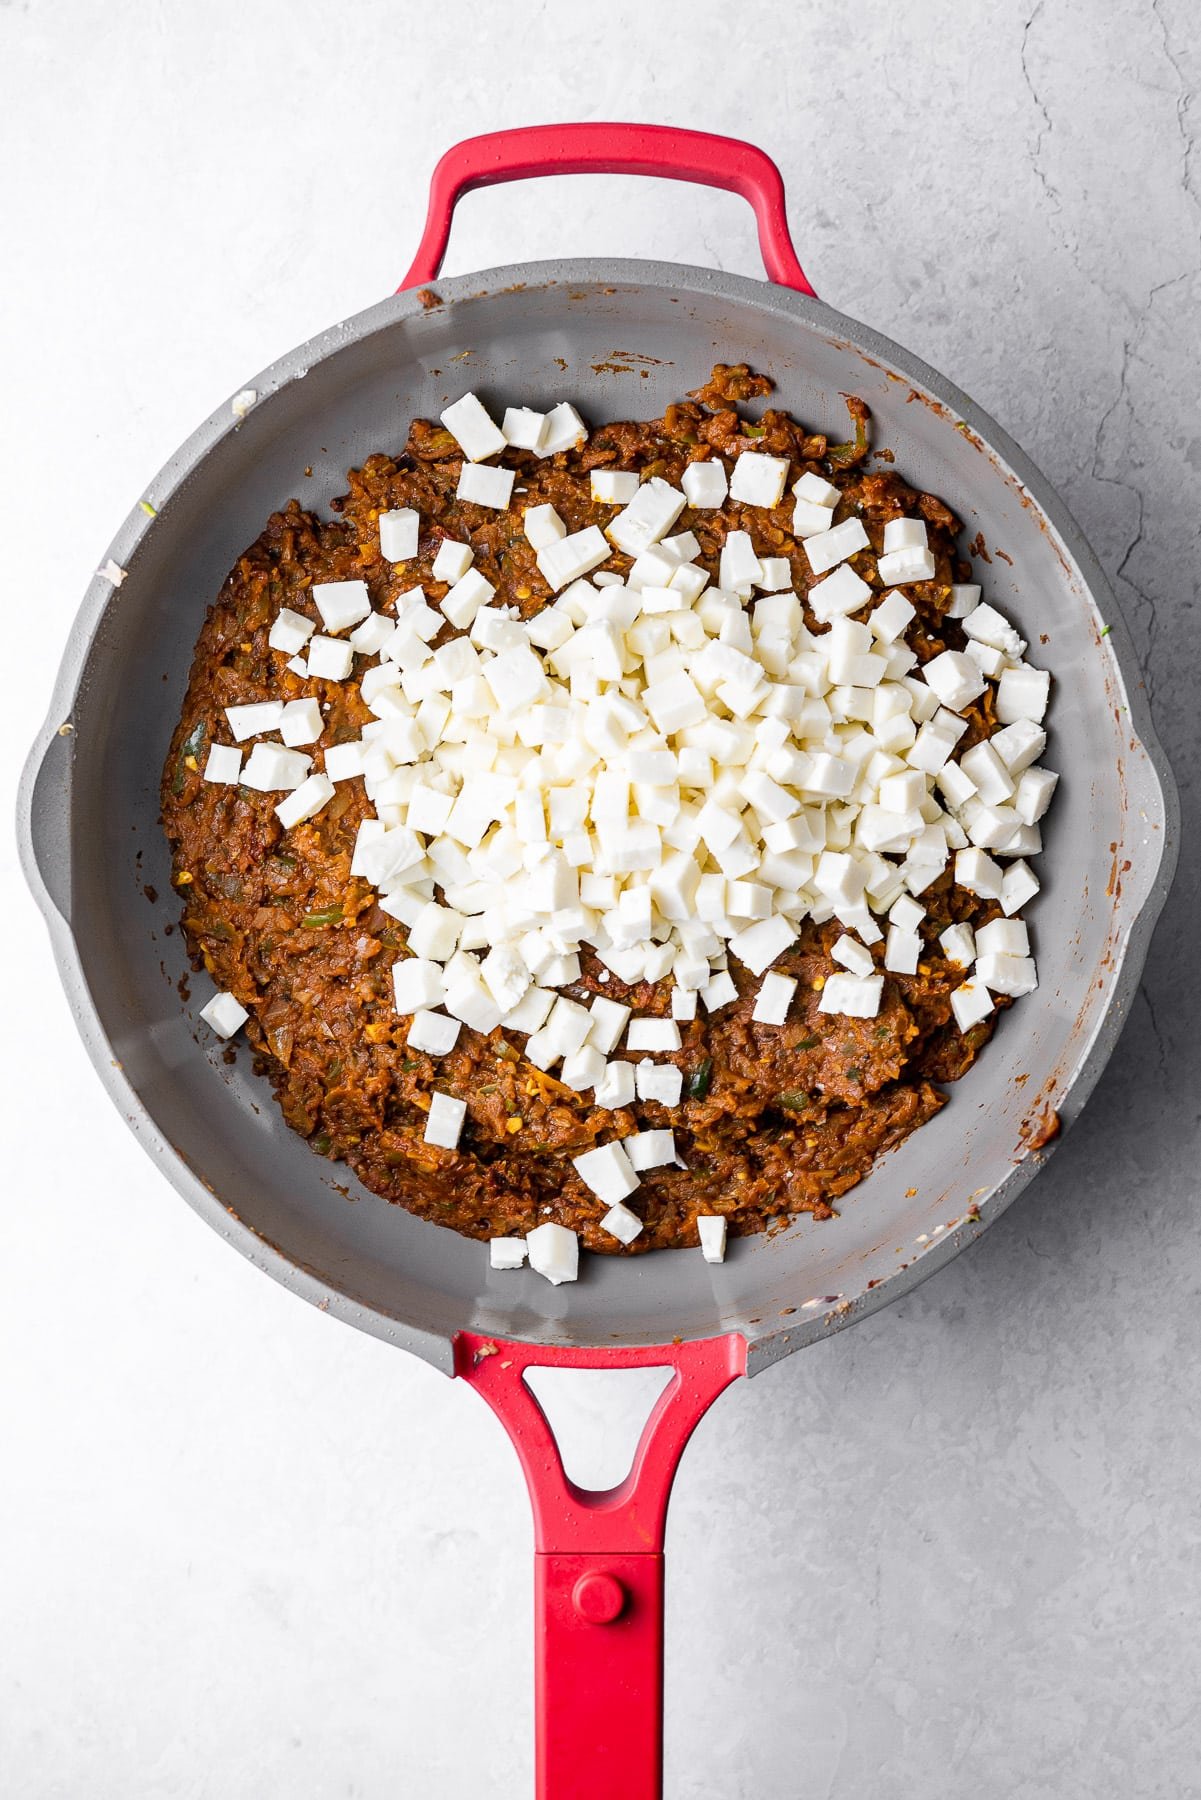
246	1553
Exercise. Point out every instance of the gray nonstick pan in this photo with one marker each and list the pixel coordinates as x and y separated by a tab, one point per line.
535	334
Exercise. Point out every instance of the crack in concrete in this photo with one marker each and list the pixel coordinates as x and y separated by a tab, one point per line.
1183	100
1146	608
1048	186
1148	618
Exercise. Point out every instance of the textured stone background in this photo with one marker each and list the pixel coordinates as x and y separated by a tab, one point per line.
245	1553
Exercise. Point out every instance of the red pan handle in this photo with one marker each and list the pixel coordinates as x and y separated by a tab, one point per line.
602	149
598	1581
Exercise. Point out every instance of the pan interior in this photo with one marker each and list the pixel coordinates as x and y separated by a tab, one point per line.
622	342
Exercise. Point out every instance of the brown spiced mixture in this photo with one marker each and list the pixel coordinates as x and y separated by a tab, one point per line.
774	1120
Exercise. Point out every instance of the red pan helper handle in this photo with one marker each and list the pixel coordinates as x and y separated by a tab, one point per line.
611	149
598	1581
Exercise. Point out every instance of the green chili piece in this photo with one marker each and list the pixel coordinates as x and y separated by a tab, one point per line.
697	1084
329	915
192	745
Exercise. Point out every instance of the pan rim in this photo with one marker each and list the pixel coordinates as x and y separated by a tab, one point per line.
1127	955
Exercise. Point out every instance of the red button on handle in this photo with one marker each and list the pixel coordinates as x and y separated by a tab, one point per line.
611	149
598	1597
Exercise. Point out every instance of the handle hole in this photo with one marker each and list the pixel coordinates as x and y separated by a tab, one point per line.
597	1416
568	216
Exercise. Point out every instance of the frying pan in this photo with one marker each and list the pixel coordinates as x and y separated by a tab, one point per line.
620	338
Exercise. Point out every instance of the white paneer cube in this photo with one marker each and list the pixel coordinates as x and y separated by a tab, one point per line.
759	945
978	873
719	992
272	769
739	566
758	480
613	487
223	765
569	558
987	626
305	802
958	945
224	1015
343	603
965	597
472	427
564	430
902	793
683	1001
300	722
582	1069
1012	975
987	773
506	1253
1022	693
675	703
344	761
854	996
417	984
776	574
841	593
853	956
971	1004
904	534
369	637
607	1172
808	518
956	787
1003	937
649	516
653	1034
254	719
773	999
1018	886
542	526
955	678
711	1229
435	932
290	631
902	951
616	1087
433	1033
1020	744
621	1223
523	428
906	914
609	1020
452	561
905	566
465	598
485	484
650	1149
330	658
554	1252
892	617
399	535
836	545
990	662
705	483
531	1011
663	1082
517	678
816	490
